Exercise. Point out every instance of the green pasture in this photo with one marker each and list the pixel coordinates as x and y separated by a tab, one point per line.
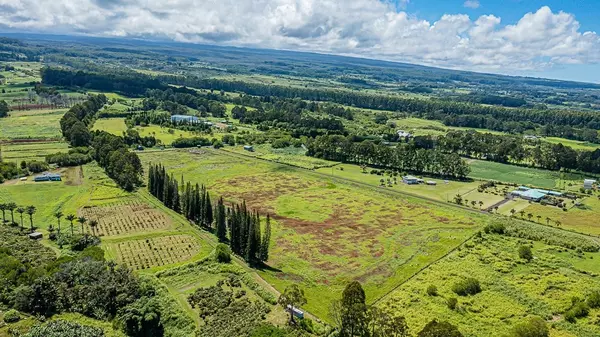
443	191
290	155
166	136
32	125
522	175
512	288
116	126
327	232
575	144
16	152
582	219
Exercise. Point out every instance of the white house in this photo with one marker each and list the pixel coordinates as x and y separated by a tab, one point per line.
588	184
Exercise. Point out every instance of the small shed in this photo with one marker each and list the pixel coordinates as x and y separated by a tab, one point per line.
295	311
140	148
431	183
36	236
249	148
410	180
588	184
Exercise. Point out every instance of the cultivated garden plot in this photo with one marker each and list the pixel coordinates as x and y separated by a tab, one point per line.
126	217
157	251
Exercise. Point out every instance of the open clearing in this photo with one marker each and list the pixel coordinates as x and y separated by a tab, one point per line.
521	175
290	155
43	125
512	288
582	219
116	126
15	152
326	232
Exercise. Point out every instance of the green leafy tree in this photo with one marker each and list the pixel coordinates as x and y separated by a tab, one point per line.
533	327
354	318
31	211
439	329
62	328
71	218
11	206
58	215
82	220
4	109
141	318
292	297
525	253
21	210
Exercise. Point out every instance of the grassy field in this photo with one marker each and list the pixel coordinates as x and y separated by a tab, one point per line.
522	175
35	124
443	191
327	232
583	219
116	126
163	134
512	288
577	145
15	152
290	155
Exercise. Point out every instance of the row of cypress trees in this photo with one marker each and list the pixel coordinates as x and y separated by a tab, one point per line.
235	224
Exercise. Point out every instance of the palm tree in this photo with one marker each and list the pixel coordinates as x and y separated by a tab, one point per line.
31	211
496	208
11	206
522	214
539	217
58	215
558	223
93	224
548	220
529	216
21	210
512	212
3	209
71	218
82	220
480	204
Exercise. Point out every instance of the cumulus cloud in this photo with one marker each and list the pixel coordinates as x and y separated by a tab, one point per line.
471	4
367	28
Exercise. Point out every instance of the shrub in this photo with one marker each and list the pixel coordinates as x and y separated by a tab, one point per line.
593	301
307	325
469	286
578	310
439	329
223	253
534	327
525	253
495	228
452	303
432	290
12	316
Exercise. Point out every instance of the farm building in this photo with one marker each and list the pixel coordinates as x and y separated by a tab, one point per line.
185	118
410	180
588	184
48	177
533	194
295	311
403	134
36	236
249	148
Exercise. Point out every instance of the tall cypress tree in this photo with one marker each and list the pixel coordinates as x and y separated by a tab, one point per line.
208	215
266	240
176	198
250	252
221	221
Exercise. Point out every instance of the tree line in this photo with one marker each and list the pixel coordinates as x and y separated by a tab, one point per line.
234	224
513	149
110	151
403	157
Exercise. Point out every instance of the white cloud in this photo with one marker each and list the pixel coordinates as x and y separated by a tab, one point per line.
367	28
472	4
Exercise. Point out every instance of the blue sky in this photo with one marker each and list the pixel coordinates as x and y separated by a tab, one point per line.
551	38
587	13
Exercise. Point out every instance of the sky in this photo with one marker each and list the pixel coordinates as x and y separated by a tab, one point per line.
541	38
